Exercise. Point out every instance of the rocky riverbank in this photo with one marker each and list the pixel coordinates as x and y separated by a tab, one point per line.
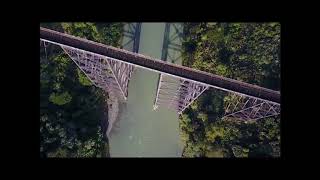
113	112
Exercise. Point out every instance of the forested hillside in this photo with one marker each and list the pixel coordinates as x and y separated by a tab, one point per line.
249	52
73	113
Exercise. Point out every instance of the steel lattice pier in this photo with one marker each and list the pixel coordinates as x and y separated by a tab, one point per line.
105	73
177	93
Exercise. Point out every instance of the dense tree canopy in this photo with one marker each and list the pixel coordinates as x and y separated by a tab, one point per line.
249	52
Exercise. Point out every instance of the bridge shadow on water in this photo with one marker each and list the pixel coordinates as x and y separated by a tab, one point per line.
141	131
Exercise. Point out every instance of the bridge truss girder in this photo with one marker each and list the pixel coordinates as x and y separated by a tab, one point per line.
177	93
103	72
249	108
112	74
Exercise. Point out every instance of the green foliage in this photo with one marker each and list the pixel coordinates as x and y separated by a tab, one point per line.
61	153
82	29
71	109
249	52
86	149
83	79
106	33
215	132
110	33
215	153
203	117
238	151
60	99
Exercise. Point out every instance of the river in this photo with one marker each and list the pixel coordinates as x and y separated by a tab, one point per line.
140	131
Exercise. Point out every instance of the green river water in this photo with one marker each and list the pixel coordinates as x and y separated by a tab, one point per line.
143	132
